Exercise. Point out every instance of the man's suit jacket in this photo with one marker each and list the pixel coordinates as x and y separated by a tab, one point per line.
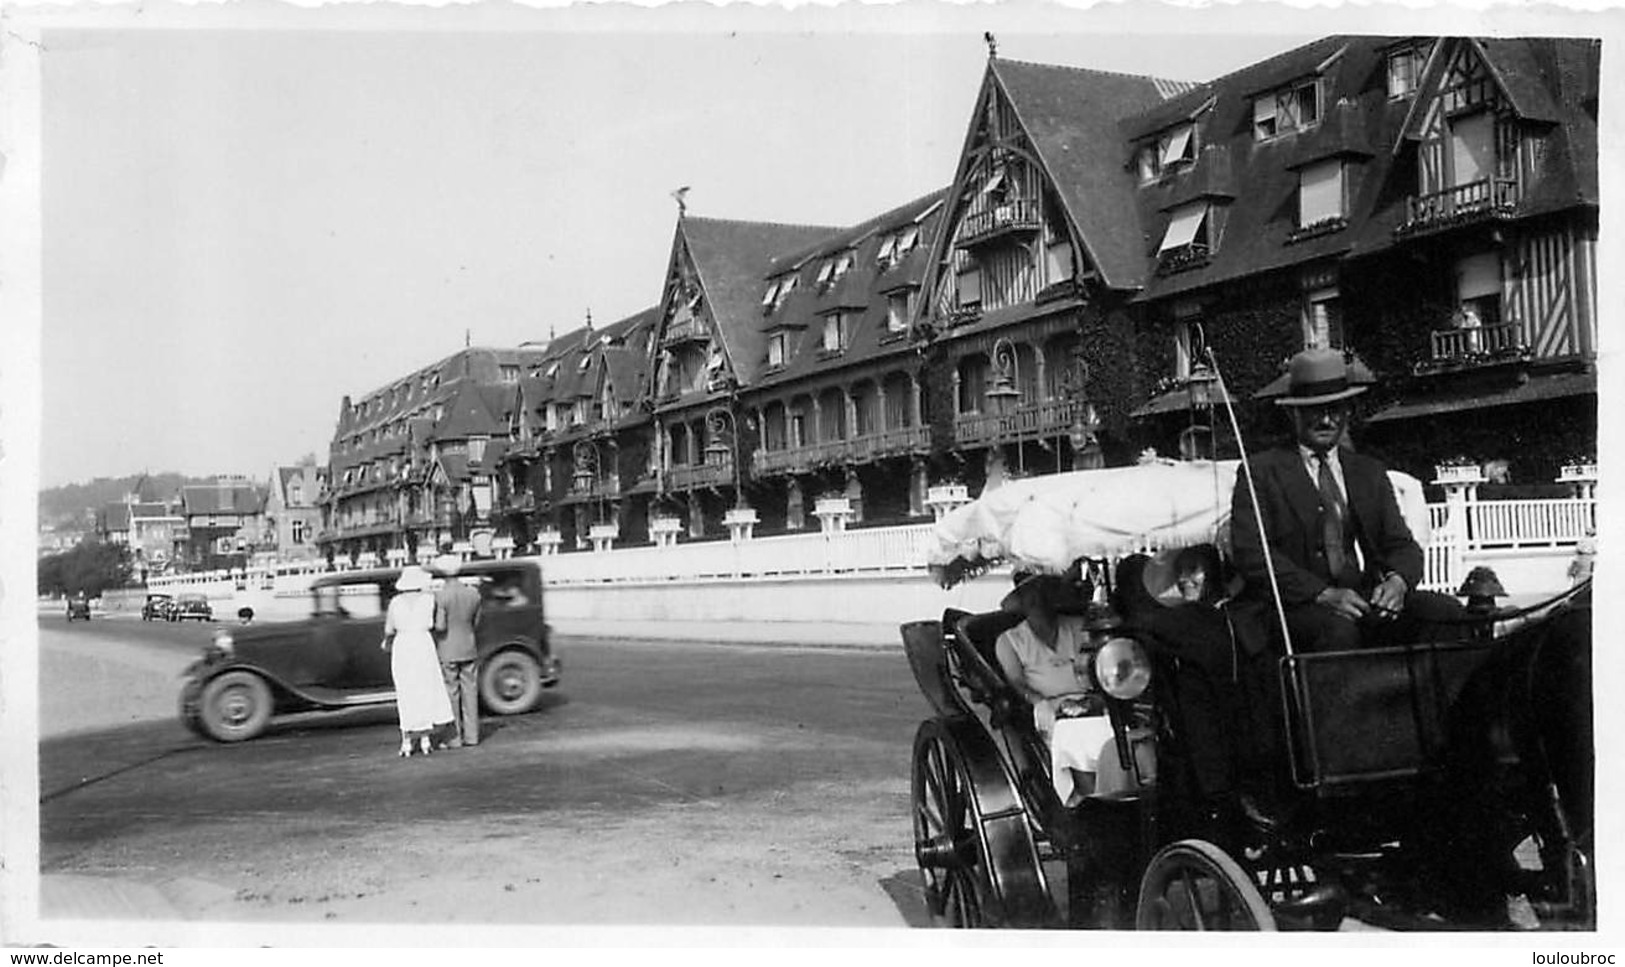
1290	504
457	610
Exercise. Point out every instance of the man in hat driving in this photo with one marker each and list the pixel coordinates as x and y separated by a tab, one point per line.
1345	564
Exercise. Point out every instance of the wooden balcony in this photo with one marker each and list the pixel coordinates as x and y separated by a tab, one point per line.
1029	421
862	449
1477	343
1464	204
606	487
997	220
692	477
685	330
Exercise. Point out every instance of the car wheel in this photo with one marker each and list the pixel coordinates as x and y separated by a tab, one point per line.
234	706
510	683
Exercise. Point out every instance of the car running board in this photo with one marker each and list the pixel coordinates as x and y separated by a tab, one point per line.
335	698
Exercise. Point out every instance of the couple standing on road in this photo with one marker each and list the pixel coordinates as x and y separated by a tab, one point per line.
433	691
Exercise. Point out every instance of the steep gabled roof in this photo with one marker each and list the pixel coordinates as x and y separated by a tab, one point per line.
1256	182
731	260
474	410
1071	115
116	517
863	290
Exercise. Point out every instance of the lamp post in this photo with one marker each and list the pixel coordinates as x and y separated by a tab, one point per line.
587	470
1074	380
717	420
1003	394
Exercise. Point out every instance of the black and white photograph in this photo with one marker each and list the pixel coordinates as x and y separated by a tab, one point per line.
806	475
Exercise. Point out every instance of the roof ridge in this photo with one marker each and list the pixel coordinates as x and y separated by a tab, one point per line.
1339	38
760	224
1158	81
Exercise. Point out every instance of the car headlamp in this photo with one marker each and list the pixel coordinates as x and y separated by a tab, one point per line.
222	641
1122	668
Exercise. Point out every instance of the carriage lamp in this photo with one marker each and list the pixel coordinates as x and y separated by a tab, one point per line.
1481	589
1122	668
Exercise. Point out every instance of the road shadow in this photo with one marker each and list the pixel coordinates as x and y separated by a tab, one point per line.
906	890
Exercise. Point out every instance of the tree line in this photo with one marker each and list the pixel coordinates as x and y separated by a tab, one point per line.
89	568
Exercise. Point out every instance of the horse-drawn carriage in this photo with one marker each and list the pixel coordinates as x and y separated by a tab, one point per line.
1425	786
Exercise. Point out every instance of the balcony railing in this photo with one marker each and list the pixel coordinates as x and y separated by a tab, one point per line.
870	446
683	331
599	487
700	475
1469	343
1460	204
1029	420
1020	215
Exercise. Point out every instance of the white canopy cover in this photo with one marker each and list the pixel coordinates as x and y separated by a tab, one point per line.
1046	523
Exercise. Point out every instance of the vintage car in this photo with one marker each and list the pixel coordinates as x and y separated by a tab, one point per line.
156	607
79	607
332	659
189	605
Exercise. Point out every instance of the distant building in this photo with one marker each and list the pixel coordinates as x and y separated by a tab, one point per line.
293	514
225	522
153	529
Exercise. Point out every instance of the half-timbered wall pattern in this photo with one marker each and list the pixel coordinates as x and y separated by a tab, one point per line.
1541	293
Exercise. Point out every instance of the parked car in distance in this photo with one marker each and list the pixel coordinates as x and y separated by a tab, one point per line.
189	604
79	607
332	659
156	607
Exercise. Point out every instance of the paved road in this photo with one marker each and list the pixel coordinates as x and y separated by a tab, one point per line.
660	784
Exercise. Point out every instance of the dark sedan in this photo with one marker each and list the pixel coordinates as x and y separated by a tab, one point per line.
331	660
156	607
79	607
189	606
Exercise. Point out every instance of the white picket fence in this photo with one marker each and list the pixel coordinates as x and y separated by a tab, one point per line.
1457	530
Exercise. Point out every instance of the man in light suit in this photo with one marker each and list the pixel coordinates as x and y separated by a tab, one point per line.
457	614
1345	564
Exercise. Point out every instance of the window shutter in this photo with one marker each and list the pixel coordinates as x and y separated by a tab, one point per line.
1182	228
1178	143
1320	193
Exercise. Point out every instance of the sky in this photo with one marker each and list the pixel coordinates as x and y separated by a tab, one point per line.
245	220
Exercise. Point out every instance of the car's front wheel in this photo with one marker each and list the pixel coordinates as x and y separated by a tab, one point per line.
510	683
234	707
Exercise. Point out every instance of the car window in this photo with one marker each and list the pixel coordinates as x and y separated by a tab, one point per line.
348	600
504	590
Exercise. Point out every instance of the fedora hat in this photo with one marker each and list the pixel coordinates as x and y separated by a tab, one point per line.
413	578
1316	377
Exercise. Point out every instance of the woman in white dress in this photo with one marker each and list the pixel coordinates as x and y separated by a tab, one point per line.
420	694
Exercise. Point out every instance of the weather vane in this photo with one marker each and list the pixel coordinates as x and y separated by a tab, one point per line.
992	44
681	195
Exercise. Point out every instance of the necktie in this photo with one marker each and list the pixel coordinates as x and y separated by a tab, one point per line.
1331	518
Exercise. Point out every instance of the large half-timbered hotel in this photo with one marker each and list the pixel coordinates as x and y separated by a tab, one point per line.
1428	205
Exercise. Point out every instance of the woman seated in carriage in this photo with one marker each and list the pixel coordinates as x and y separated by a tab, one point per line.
1046	660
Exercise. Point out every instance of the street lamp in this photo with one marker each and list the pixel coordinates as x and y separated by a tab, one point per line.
717	420
1003	394
1074	380
587	470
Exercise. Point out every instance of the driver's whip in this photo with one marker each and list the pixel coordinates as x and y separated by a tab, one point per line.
1252	496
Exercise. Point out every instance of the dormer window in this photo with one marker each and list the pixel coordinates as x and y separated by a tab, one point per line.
510	374
584	365
781	291
843	264
1405	70
1290	109
775	350
1179	146
897	311
826	272
476	448
1188	228
553	369
1321	193
837	332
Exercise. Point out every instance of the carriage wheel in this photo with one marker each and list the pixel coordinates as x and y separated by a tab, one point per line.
971	836
1194	885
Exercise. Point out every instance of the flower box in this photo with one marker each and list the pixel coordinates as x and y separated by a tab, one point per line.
665	525
740	515
1458	474
1577	472
603	532
947	494
832	506
549	537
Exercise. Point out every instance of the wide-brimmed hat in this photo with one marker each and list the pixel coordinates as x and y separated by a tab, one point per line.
413	578
448	564
1048	587
1317	376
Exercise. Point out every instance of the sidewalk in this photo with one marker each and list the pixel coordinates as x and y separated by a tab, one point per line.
73	896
